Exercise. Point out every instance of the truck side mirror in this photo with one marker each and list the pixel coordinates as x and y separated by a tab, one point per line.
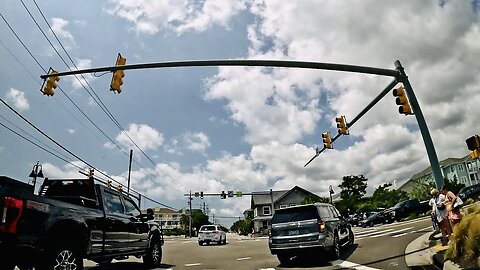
150	214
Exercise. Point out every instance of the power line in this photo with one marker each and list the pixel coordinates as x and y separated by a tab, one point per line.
104	108
84	114
64	148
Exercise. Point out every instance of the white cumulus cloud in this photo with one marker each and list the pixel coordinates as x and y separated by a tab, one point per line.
18	99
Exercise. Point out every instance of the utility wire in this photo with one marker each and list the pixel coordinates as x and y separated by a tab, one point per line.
26	48
61	146
33	137
104	108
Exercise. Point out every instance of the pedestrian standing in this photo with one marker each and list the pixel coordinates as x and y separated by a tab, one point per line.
433	215
454	215
442	216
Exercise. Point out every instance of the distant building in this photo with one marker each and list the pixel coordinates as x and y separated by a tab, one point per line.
463	170
261	205
167	218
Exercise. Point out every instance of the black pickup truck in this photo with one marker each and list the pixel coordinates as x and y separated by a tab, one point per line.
71	220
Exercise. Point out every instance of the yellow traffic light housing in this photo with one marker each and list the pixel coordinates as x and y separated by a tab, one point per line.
402	100
117	78
327	140
51	84
475	154
342	125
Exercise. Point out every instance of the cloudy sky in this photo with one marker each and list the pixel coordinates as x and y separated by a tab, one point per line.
235	128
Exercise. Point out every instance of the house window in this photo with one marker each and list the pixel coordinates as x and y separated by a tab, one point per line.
266	210
452	169
460	167
283	206
255	212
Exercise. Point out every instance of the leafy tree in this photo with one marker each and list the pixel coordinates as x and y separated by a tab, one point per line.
313	199
385	197
453	185
353	186
421	189
198	219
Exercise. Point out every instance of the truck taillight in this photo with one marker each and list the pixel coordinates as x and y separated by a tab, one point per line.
11	213
321	226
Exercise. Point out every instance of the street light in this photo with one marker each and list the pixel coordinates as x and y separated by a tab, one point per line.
35	173
331	192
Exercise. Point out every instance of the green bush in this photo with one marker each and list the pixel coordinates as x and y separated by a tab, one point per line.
464	247
468	201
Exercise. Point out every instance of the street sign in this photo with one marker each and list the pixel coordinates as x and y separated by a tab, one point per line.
230	193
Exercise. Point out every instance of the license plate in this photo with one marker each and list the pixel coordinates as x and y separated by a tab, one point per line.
293	232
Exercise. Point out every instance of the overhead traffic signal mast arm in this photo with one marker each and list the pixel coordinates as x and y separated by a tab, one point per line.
362	113
239	62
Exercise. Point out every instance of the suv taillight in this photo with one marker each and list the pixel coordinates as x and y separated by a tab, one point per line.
11	213
321	226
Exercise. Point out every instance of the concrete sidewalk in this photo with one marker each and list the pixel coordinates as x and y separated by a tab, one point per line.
426	252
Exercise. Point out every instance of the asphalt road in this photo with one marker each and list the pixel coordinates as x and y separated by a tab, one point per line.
379	247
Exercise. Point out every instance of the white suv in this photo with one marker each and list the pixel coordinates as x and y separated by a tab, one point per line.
211	233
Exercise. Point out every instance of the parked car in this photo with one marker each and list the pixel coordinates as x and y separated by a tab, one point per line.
363	217
406	208
378	218
298	229
211	233
71	220
472	191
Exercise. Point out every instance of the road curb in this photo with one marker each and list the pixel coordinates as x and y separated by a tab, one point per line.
418	253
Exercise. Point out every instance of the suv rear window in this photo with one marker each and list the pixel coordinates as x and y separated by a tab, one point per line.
208	228
295	214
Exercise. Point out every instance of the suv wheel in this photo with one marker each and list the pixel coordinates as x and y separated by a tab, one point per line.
336	247
153	258
200	243
351	238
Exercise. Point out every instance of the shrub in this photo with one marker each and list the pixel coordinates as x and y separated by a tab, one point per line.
468	201
464	247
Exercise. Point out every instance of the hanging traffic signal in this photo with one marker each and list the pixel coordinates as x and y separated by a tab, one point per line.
51	84
327	141
223	195
117	78
473	143
402	100
342	125
91	171
475	154
201	194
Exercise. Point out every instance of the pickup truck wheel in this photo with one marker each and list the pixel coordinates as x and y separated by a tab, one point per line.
63	256
351	237
7	265
153	258
284	259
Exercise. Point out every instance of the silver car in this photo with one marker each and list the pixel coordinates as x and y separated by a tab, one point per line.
211	233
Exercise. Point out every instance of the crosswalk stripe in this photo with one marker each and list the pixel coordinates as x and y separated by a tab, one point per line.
397	231
357	266
376	232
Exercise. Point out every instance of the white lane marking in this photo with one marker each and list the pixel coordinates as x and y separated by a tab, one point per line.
376	232
244	258
257	240
363	232
402	234
192	264
240	241
356	266
397	231
266	269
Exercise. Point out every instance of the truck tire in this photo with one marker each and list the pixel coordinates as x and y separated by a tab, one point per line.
284	259
6	265
62	256
153	258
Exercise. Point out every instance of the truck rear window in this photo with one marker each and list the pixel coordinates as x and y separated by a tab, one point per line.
295	214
